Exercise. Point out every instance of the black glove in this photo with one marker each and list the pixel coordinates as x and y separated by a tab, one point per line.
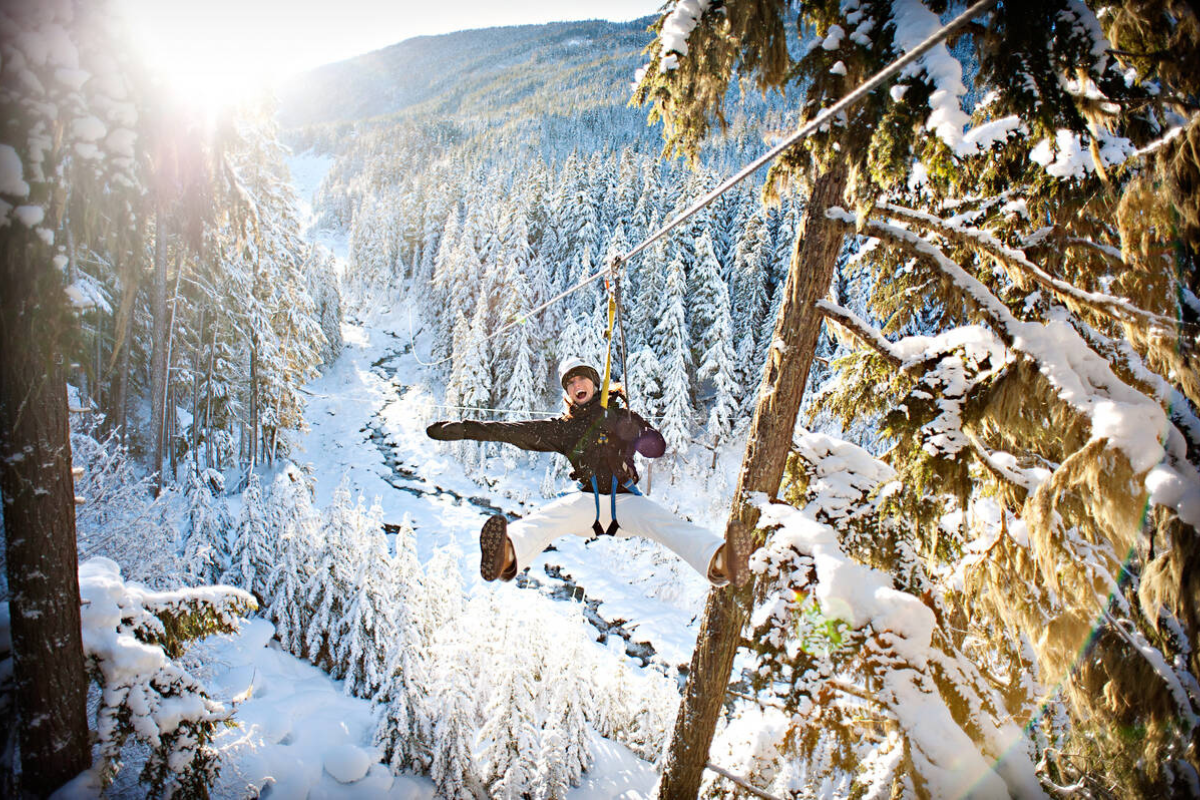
619	425
446	431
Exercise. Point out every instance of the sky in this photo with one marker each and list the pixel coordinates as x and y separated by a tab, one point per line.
219	47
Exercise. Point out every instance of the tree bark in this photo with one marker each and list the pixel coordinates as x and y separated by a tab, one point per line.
210	448
39	517
194	438
158	357
814	257
121	401
253	443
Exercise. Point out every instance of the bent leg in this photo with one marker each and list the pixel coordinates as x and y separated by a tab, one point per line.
571	514
641	516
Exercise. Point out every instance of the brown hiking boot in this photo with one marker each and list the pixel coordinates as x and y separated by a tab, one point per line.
494	549
737	566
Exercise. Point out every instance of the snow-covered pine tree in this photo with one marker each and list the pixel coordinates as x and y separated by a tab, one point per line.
750	305
521	391
1004	240
510	729
133	638
284	591
442	591
476	389
368	627
403	706
566	746
717	365
254	546
674	351
454	767
327	301
206	548
328	587
442	282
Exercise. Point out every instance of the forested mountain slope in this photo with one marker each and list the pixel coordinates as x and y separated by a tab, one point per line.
484	72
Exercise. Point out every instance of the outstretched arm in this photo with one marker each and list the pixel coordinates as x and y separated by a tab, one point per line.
541	435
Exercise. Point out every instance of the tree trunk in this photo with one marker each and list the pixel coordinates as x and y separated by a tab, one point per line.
253	443
171	404
158	357
172	429
814	257
196	390
210	448
39	517
121	402
98	362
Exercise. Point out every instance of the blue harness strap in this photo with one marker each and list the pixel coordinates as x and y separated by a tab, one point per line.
597	529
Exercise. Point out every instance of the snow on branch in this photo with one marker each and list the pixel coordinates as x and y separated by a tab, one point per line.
676	28
901	629
861	329
1120	416
1117	308
1004	467
130	636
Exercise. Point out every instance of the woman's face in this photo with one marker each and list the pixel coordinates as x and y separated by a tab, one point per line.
580	389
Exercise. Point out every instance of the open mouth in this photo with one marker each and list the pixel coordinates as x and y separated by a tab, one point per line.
579	395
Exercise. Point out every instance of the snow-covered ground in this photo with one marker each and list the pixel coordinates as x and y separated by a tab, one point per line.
299	735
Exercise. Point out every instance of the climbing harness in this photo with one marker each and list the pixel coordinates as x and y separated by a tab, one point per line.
599	530
612	285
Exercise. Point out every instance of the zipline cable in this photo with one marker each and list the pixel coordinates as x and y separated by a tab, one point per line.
823	118
816	122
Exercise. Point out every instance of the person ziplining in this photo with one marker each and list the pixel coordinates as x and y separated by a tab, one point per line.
599	441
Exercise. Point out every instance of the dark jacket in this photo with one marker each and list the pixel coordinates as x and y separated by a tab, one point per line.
597	442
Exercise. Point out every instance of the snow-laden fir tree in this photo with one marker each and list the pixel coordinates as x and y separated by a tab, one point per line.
368	626
566	746
284	592
454	767
133	639
403	705
673	349
521	391
443	590
253	549
206	547
329	586
1022	245
509	735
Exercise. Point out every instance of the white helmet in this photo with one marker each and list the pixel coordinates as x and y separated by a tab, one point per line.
572	366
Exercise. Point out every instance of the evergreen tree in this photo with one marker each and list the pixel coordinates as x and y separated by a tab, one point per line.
367	628
328	587
673	348
206	548
510	730
454	767
284	590
252	552
403	710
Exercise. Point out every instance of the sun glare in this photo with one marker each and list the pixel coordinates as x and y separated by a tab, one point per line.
209	54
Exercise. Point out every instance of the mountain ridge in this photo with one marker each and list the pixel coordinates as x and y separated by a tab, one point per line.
443	73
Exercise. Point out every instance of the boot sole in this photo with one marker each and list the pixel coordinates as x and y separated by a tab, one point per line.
492	539
737	561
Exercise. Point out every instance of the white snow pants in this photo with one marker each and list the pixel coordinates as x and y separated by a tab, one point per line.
637	516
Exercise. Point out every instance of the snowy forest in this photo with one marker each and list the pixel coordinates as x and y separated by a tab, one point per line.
932	374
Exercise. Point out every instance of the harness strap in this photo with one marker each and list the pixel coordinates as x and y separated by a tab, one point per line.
597	529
